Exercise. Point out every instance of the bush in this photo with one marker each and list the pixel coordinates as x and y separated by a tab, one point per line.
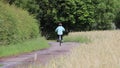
117	20
16	25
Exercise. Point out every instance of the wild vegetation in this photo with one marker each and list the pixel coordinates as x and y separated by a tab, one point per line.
76	15
15	25
102	52
19	31
78	38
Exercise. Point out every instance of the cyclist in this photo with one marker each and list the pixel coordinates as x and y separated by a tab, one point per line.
60	29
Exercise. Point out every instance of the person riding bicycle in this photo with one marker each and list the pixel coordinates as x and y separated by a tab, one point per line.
60	29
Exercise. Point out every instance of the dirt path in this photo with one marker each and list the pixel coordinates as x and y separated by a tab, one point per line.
42	56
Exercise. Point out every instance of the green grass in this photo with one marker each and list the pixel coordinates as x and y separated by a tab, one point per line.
1	65
77	38
28	46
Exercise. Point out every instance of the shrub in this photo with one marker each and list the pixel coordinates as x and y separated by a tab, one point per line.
16	25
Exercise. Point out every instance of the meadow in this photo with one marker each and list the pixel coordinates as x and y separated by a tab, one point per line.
102	52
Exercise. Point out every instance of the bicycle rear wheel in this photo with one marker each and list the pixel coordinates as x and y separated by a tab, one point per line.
60	40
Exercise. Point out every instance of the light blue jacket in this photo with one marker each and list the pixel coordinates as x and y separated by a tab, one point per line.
60	30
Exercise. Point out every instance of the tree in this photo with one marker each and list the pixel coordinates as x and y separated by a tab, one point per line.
84	14
76	15
53	12
117	12
104	14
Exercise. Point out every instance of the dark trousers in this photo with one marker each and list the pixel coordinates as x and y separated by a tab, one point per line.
61	37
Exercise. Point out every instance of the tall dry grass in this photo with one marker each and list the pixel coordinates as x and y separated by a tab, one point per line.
102	52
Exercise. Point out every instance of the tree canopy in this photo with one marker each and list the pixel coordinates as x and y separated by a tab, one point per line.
76	15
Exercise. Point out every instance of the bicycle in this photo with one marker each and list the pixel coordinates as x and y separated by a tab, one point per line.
60	40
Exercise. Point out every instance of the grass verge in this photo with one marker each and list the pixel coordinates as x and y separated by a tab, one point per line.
77	38
27	46
1	65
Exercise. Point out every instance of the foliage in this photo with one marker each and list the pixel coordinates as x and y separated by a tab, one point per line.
117	9
84	14
104	14
117	20
76	15
16	25
29	5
